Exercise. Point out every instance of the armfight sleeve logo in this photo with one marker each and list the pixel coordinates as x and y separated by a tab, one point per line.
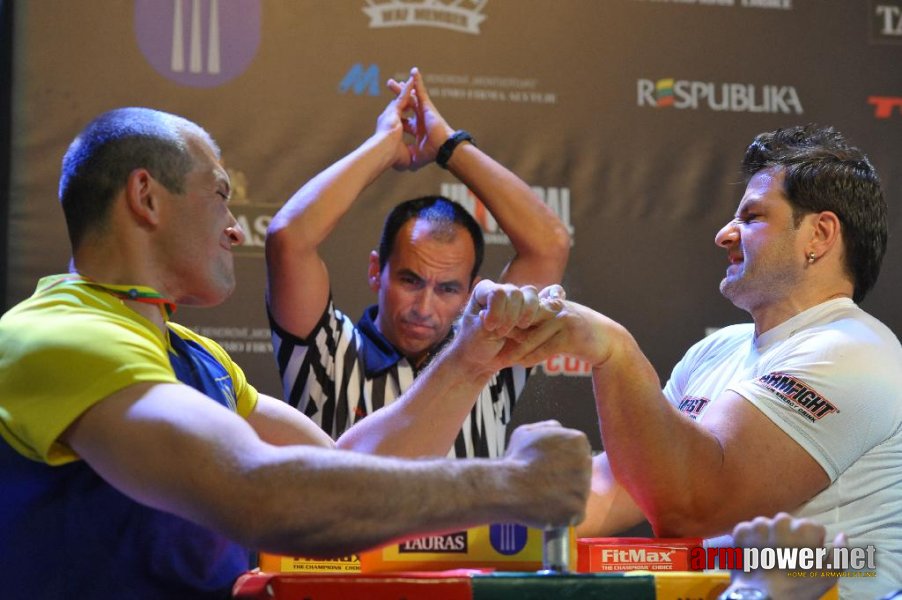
693	406
798	395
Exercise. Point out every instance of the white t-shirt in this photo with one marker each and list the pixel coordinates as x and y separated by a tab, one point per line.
831	378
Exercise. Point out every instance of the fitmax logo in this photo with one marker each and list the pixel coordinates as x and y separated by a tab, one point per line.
361	80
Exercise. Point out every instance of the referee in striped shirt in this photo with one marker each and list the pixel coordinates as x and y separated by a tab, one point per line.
337	371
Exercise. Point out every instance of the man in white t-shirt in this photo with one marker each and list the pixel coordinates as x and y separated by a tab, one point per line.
799	411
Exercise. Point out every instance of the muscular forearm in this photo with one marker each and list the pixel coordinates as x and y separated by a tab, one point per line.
331	503
298	280
167	446
540	239
666	461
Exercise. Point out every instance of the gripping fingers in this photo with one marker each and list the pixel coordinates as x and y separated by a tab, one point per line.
502	307
511	307
420	86
530	311
541	424
535	345
552	298
554	291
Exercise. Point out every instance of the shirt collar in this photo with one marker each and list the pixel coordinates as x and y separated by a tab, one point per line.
137	293
379	354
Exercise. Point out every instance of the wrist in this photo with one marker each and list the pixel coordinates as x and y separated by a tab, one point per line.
448	132
596	338
467	364
383	146
446	150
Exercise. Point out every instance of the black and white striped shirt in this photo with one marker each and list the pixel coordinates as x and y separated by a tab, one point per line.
342	372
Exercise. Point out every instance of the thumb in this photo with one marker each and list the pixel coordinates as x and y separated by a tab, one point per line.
841	540
479	297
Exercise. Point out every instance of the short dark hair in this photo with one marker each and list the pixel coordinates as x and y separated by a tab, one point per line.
99	161
435	209
823	172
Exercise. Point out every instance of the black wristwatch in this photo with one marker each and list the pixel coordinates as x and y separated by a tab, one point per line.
445	150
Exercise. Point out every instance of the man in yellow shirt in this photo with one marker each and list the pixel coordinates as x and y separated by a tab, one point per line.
136	460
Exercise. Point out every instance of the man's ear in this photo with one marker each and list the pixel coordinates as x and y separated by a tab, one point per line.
826	233
373	272
476	280
141	198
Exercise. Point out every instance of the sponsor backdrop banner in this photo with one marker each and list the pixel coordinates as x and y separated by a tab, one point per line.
628	117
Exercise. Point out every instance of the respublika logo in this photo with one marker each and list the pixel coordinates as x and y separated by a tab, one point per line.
731	97
183	39
457	15
508	538
886	21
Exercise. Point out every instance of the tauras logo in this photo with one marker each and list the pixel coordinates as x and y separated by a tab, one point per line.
450	543
798	394
884	105
458	15
731	97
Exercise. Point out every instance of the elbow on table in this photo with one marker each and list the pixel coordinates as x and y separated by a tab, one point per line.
686	520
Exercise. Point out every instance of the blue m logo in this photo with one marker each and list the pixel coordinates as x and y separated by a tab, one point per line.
360	80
